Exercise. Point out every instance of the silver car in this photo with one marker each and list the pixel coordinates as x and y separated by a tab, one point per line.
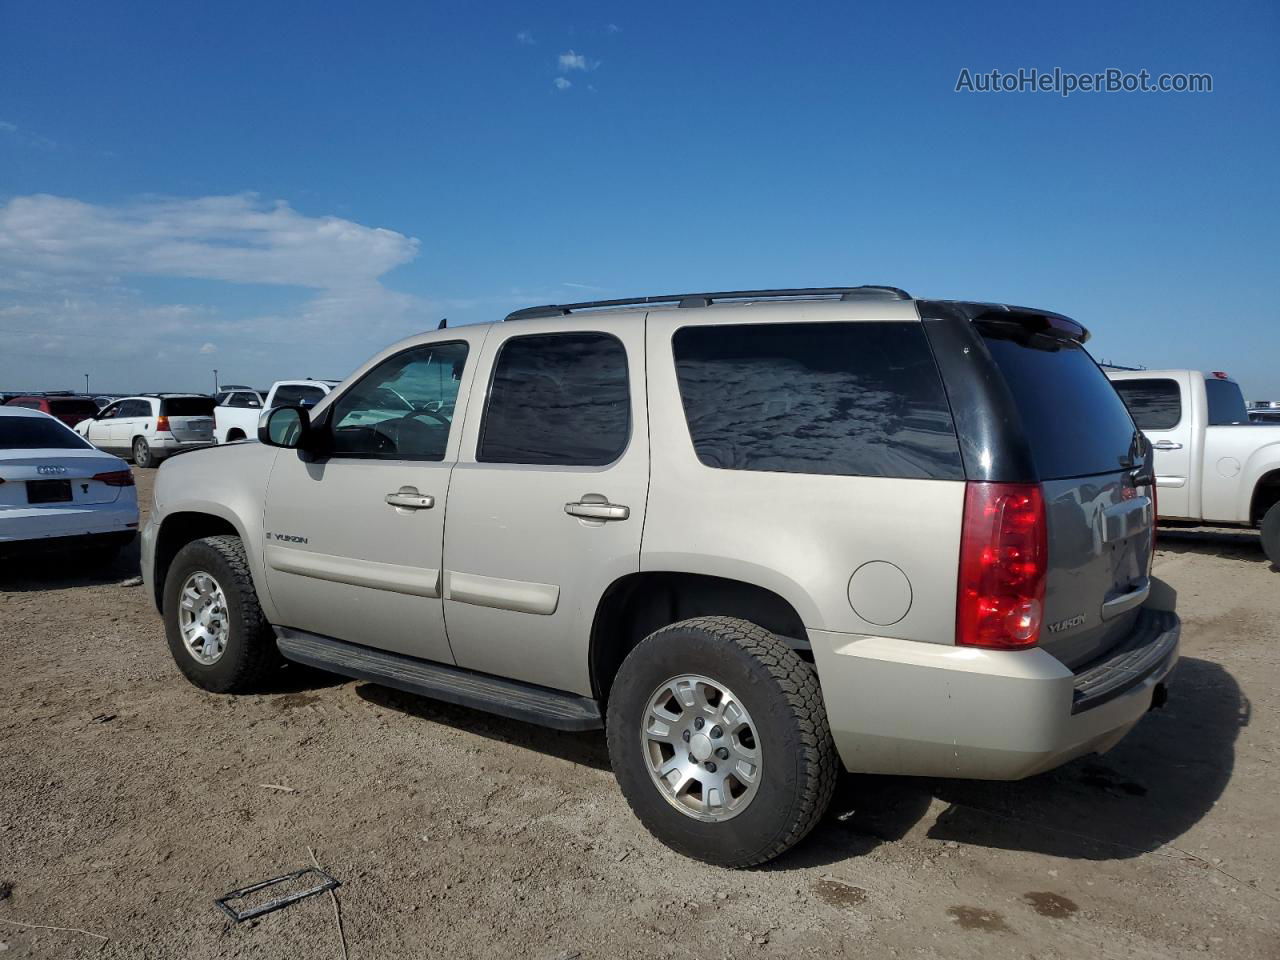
757	536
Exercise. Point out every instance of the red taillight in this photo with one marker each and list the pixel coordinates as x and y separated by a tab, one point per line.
115	478
1004	552
162	424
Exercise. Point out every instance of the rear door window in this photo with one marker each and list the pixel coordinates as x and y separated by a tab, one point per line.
1075	422
853	399
1156	404
560	398
1226	402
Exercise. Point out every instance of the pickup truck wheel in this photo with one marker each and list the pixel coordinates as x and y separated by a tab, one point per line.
217	634
1271	534
719	739
142	455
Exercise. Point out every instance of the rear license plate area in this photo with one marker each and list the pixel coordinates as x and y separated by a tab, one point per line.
48	491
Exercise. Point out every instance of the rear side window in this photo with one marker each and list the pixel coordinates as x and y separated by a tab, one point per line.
1156	404
1076	423
560	398
853	399
297	395
1226	402
135	408
37	433
66	408
186	407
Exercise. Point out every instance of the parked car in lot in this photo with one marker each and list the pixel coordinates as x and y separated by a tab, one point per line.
67	407
236	416
151	427
58	493
754	535
1214	464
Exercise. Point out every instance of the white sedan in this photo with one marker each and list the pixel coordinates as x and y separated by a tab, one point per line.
57	492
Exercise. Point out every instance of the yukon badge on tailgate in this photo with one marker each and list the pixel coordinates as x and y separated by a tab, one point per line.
1063	625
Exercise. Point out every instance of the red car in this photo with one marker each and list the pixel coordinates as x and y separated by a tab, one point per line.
70	410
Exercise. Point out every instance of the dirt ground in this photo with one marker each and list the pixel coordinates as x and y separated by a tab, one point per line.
129	800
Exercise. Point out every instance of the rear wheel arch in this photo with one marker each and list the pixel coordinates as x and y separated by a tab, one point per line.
1266	494
638	604
176	531
235	433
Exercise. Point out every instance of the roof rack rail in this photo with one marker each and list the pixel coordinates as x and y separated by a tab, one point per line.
865	292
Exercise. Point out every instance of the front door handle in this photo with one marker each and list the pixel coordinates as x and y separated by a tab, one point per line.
1167	445
594	506
409	498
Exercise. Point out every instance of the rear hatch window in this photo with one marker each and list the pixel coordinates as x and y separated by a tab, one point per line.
186	407
73	408
1076	423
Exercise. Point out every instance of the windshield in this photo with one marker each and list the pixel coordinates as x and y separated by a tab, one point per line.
1076	423
1226	402
37	433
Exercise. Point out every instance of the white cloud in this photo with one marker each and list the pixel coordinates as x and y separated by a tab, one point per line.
525	38
66	269
7	127
562	84
572	61
235	238
613	28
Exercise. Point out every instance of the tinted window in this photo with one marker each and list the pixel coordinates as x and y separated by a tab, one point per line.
37	433
74	406
298	395
403	407
135	408
1226	402
1076	423
187	407
558	399
243	400
855	399
1155	404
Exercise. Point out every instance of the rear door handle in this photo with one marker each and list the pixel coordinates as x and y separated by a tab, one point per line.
408	498
1167	445
595	507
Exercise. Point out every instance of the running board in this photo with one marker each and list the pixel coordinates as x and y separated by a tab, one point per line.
507	698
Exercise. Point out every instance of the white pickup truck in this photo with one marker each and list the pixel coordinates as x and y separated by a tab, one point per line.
1212	464
236	418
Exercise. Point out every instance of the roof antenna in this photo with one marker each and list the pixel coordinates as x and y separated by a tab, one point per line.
444	322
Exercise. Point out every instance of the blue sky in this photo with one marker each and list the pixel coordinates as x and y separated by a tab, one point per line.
281	189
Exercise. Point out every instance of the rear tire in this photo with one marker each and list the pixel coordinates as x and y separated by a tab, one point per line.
1271	534
239	650
142	455
789	759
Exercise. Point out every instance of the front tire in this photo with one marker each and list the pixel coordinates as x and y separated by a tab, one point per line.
719	740
142	455
217	633
1271	534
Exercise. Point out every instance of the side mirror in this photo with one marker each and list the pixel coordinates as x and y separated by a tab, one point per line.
288	427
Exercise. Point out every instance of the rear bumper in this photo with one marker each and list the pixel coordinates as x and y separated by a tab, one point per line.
923	709
25	528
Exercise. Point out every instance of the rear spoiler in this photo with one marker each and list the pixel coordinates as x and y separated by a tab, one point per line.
1037	321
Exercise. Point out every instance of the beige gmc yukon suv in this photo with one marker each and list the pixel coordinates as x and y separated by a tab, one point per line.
756	536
